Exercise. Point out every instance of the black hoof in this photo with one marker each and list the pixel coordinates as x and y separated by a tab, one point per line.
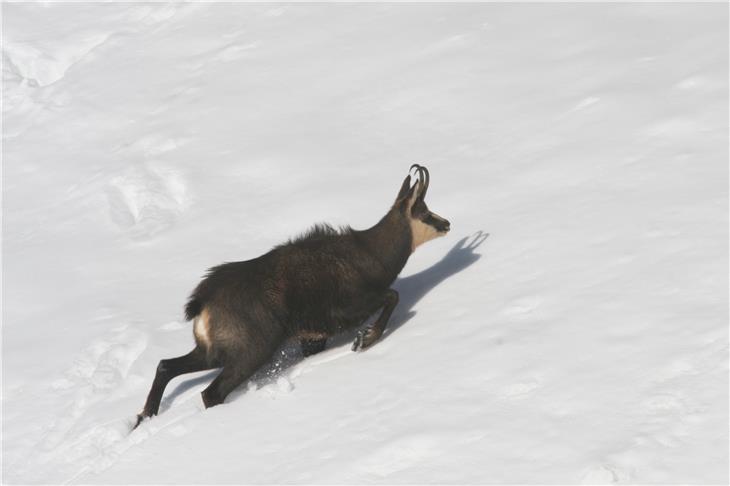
364	339
140	418
210	399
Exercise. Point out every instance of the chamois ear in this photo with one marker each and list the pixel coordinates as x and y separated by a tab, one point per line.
407	195
411	196
404	188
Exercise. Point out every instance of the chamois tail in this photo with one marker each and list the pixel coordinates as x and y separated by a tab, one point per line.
193	308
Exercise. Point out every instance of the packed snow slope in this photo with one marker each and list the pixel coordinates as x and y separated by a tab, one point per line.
572	327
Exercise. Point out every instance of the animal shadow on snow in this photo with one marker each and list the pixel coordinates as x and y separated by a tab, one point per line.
410	289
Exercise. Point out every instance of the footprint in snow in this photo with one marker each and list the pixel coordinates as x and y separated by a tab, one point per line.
146	200
98	376
101	372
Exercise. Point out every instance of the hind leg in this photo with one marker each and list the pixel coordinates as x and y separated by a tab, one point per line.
234	373
168	369
312	344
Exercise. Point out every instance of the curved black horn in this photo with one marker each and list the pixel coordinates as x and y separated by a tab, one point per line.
425	178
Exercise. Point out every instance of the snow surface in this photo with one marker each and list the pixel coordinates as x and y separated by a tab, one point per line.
573	327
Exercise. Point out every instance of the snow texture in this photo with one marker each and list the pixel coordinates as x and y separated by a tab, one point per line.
572	328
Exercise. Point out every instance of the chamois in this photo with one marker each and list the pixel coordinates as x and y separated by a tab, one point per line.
312	287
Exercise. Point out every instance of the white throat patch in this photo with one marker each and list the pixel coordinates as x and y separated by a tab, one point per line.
421	233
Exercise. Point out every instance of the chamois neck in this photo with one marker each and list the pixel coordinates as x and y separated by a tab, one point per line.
389	241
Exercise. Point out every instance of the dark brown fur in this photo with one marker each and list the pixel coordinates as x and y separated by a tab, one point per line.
320	284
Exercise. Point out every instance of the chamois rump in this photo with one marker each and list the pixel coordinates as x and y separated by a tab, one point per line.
310	288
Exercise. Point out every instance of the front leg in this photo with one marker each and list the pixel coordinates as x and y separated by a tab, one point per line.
367	337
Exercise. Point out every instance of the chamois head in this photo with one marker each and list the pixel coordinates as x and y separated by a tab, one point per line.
425	224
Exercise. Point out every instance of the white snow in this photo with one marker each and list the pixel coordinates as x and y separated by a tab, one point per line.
573	327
